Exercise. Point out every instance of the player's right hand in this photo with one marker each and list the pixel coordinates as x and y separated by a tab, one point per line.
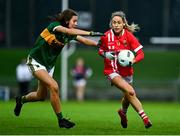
109	55
96	34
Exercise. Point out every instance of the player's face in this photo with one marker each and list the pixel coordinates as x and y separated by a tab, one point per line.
73	22
117	24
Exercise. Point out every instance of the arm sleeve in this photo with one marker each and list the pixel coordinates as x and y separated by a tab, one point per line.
137	47
139	56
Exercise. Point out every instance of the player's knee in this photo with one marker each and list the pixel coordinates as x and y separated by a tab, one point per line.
130	92
54	88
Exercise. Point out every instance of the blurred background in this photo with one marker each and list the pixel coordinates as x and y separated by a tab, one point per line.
157	77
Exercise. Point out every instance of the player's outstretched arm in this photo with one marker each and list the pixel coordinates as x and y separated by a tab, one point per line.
86	41
74	31
71	31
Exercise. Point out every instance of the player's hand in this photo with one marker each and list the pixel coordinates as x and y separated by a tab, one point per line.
109	55
96	34
130	64
98	45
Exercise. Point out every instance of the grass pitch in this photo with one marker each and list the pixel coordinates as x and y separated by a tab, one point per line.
91	118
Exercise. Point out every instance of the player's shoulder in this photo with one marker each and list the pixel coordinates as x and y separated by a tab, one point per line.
127	32
106	34
53	24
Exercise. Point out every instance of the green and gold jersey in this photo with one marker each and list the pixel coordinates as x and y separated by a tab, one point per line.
44	51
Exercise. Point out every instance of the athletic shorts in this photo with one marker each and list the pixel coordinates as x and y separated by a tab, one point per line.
128	79
33	66
81	82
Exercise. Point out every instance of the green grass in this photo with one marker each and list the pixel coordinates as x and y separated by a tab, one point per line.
91	118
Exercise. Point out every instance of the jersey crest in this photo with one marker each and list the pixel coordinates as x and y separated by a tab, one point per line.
118	42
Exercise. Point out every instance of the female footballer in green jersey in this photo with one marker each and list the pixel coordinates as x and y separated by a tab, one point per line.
42	57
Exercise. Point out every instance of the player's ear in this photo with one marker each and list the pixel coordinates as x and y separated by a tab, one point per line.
67	23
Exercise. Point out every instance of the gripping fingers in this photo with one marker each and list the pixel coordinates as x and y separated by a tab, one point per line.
96	34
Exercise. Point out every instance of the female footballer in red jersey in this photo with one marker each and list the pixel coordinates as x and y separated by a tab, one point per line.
118	38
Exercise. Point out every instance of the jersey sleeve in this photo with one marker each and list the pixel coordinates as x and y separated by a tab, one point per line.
135	45
139	56
52	26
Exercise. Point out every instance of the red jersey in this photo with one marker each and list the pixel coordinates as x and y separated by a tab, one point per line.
111	42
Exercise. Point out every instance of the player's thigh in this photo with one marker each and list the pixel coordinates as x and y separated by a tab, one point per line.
44	77
46	80
120	83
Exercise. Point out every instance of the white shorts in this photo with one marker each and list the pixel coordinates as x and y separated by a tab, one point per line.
128	79
33	66
81	82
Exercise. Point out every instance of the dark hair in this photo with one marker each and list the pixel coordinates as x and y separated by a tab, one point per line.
63	17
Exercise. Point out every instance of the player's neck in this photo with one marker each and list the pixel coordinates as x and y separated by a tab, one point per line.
119	34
